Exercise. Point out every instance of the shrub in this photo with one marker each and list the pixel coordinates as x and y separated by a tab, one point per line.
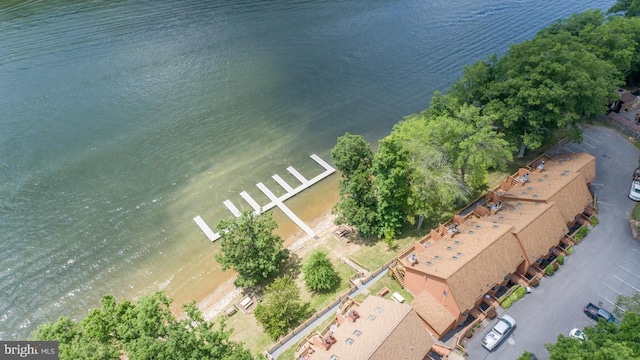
594	221
506	303
569	250
549	270
560	260
581	233
520	292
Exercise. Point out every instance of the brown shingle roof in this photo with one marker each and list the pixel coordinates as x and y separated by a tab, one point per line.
433	312
538	225
583	163
388	330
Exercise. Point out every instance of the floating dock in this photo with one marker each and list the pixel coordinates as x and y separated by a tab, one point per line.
274	200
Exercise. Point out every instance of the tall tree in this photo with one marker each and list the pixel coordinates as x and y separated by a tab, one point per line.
470	142
625	304
319	273
280	309
249	246
549	83
357	205
143	330
630	8
392	184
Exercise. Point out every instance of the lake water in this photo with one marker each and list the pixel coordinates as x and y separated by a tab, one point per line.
122	120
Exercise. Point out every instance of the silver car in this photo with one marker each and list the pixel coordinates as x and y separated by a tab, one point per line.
499	332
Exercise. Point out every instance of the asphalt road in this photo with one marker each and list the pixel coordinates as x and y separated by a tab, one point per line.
606	263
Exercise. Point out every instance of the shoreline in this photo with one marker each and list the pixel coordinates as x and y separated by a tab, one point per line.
226	294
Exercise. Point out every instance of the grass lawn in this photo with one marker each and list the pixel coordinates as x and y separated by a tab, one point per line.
319	300
635	215
391	284
247	330
372	254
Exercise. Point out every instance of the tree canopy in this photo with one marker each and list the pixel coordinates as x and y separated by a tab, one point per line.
357	205
142	330
319	273
249	246
281	309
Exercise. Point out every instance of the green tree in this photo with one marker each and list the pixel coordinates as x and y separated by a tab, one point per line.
625	304
392	185
280	309
319	273
357	205
630	8
470	142
435	187
549	83
146	330
249	246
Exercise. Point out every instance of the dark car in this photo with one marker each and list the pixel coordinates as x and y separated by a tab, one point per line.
597	313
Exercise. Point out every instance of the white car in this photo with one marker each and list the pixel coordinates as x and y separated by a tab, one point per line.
634	193
498	332
578	334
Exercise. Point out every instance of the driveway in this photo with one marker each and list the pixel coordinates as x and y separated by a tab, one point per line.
604	264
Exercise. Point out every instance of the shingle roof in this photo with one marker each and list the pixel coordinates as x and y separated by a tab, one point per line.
387	330
433	312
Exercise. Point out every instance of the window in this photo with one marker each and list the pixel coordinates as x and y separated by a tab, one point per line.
350	341
357	332
372	317
378	310
334	357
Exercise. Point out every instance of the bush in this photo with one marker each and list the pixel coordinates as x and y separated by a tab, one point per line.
506	303
594	221
549	270
560	260
520	292
526	356
569	250
581	233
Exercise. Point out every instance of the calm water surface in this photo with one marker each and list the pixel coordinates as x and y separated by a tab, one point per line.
122	120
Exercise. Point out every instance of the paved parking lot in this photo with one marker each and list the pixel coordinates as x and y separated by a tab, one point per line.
606	263
625	280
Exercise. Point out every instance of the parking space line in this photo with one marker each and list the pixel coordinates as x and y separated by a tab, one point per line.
630	260
629	271
609	301
604	203
587	136
629	285
619	293
636	251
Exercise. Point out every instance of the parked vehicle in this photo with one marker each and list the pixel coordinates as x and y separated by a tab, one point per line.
578	334
597	313
499	332
634	193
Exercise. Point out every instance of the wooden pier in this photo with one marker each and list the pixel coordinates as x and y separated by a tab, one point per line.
274	200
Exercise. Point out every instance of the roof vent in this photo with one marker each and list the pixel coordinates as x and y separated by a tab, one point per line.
471	232
437	257
538	202
478	226
540	180
524	193
561	162
457	242
459	254
496	226
501	218
429	263
449	248
520	203
530	188
455	257
535	196
546	176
